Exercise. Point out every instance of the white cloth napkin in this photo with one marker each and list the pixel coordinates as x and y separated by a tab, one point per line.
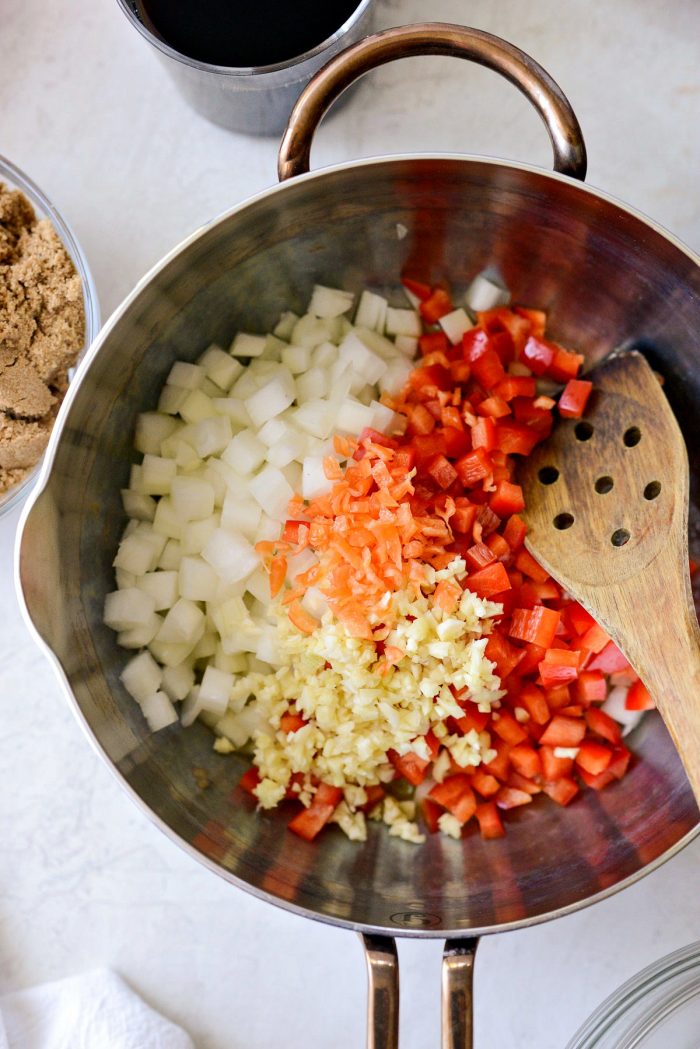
93	1011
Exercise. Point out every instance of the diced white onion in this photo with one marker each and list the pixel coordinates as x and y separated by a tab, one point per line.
272	491
455	324
141	676
403	322
158	711
230	555
485	294
272	398
330	302
371	311
245	345
184	624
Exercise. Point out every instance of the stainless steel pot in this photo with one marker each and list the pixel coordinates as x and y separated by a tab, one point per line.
606	276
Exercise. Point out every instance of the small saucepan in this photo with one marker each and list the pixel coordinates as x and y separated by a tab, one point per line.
606	276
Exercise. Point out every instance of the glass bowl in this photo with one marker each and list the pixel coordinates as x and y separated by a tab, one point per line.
16	179
659	1008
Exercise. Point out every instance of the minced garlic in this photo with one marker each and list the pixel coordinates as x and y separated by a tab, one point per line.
358	707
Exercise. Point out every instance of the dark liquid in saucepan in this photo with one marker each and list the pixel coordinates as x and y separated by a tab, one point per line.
244	32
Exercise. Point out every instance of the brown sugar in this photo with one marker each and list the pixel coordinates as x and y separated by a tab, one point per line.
42	331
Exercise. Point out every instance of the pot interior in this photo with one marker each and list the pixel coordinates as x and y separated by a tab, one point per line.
606	279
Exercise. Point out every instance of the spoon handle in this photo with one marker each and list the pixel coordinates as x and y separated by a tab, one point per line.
661	640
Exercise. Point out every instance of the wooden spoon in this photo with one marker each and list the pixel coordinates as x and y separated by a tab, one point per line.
607	516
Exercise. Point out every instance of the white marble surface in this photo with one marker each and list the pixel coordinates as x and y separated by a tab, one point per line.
85	880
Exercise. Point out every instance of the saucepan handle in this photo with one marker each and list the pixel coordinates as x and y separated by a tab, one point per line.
458	994
433	38
383	993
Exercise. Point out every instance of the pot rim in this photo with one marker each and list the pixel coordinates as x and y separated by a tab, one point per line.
43	482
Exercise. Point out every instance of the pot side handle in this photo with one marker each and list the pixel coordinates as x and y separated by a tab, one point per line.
383	992
433	38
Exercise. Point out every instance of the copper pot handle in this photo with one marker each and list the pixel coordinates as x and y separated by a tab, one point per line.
383	992
458	994
433	38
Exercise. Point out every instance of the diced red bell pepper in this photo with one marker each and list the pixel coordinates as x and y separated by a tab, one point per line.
456	795
525	760
426	446
463	518
603	725
619	762
473	467
515	438
563	732
418	288
558	697
490	825
442	471
599	782
594	639
487	520
638	698
558	667
309	822
572	403
483	434
537	354
530	567
291	721
610	660
435	307
508	728
457	442
486	784
249	780
554	768
433	342
500	765
516	386
460	371
431	814
478	556
537	319
578	618
489	581
507	499
535	625
521	782
375	792
565	365
411	766
534	654
532	594
499	547
500	651
512	798
475	342
532	415
514	532
493	407
591	687
487	369
430	376
562	790
471	720
420	420
532	699
593	757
